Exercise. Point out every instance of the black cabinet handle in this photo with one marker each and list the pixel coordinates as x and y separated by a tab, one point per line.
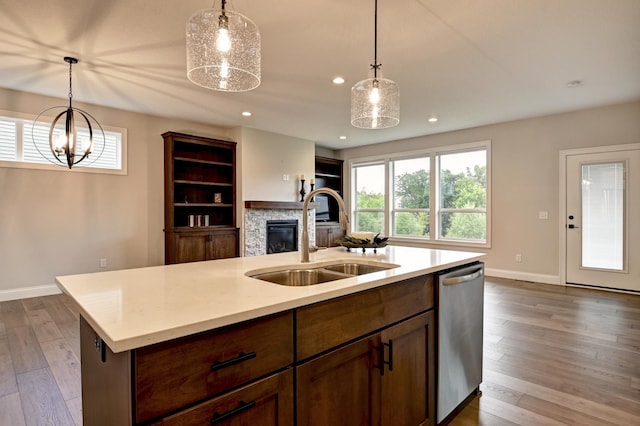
384	362
390	362
381	356
242	406
217	365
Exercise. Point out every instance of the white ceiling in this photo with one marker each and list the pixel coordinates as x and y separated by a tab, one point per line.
468	62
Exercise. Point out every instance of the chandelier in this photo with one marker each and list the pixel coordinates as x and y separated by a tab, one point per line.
67	146
375	101
223	50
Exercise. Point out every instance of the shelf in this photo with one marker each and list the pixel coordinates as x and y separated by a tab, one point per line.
198	182
278	205
197	172
195	160
328	175
202	205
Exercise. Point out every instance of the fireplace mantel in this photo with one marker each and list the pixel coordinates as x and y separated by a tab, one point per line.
277	205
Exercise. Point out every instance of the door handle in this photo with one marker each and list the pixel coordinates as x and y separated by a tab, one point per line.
462	279
572	226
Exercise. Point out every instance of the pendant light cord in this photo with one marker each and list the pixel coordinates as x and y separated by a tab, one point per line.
375	64
70	90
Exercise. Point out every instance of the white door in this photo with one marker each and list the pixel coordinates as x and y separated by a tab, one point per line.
602	222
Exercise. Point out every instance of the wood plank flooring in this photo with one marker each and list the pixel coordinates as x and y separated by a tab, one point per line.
553	356
557	355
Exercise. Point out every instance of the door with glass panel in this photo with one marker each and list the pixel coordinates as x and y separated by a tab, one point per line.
602	222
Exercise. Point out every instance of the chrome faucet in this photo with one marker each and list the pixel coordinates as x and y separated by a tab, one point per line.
343	218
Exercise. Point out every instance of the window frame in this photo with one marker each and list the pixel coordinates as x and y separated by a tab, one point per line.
433	210
21	119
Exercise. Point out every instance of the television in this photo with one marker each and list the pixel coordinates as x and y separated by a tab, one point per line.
322	211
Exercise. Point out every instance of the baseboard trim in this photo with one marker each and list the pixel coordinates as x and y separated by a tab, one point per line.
28	292
523	276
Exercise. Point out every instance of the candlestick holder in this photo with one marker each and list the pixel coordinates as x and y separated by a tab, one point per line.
311	185
302	192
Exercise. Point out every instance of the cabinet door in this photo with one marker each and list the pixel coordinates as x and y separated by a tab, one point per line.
222	244
268	402
408	383
341	387
322	236
191	246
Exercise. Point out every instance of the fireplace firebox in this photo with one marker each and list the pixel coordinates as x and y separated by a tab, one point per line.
282	236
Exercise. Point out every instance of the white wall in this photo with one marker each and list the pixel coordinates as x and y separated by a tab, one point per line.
266	157
525	178
61	222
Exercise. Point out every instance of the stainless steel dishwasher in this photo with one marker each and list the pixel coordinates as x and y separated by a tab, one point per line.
460	296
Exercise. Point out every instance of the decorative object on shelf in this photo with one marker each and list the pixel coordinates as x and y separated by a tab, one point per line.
312	183
223	50
302	191
217	198
375	101
354	241
68	146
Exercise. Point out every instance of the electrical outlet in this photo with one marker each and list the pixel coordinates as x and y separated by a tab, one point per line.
285	177
103	262
543	215
518	257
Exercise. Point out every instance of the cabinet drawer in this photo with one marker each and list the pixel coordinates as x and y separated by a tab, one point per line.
324	325
173	374
268	402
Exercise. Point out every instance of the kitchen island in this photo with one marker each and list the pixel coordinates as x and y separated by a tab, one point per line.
145	334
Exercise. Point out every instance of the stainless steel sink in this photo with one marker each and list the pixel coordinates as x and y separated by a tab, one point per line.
299	277
357	268
293	276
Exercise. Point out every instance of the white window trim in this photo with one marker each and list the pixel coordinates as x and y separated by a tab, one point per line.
433	153
53	167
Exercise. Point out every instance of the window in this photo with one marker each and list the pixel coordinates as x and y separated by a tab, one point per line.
369	179
23	144
439	195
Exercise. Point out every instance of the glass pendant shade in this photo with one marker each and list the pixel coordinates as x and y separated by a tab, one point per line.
375	103
223	50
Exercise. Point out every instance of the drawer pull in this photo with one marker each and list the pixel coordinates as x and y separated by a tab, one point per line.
217	365
381	356
242	406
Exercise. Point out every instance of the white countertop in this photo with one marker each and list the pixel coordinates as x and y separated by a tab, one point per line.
137	307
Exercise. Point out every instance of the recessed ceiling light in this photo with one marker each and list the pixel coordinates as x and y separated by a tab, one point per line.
432	119
343	137
574	83
338	80
247	113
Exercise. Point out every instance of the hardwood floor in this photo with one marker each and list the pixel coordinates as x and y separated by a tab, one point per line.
557	355
553	356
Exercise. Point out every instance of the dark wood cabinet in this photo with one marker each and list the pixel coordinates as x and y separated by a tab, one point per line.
328	174
386	375
385	379
268	402
341	387
408	387
366	358
200	204
327	233
239	374
201	244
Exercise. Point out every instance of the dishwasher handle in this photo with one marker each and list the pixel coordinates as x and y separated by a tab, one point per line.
463	278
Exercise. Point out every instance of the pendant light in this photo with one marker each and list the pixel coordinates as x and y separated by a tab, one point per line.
67	145
375	101
223	50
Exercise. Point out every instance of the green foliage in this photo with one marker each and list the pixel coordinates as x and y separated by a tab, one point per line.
457	191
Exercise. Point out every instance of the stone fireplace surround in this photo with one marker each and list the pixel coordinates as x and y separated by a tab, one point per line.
256	215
